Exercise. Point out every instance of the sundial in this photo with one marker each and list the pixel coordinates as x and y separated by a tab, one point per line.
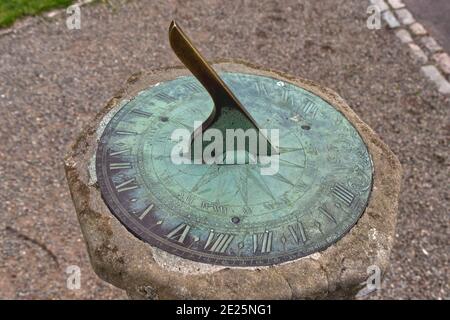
230	213
224	180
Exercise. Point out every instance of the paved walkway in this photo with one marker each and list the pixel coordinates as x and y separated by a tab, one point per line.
53	80
435	16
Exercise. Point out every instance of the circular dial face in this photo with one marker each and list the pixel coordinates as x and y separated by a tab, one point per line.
233	214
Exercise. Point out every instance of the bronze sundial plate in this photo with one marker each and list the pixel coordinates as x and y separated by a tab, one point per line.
309	184
232	215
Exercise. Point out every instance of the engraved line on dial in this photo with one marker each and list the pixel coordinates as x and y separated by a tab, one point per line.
164	97
278	176
265	240
287	163
310	108
242	185
181	123
179	233
260	183
193	86
116	153
298	232
328	214
126	133
146	211
218	242
120	165
289	149
287	97
261	89
211	173
142	113
127	185
343	194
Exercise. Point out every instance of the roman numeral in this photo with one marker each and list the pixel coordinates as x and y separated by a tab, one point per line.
193	86
127	185
146	211
179	233
120	165
116	153
310	108
343	194
261	89
327	214
318	225
218	242
165	97
265	240
287	97
126	133
297	232
141	113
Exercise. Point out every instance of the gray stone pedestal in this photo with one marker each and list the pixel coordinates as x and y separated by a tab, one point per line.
146	272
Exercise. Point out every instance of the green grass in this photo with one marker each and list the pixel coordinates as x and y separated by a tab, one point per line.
11	10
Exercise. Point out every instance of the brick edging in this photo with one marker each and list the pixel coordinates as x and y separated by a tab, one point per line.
424	49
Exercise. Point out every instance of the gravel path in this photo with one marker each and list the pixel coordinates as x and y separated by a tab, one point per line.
52	80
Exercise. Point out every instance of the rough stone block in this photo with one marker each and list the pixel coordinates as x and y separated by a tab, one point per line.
443	61
390	19
404	36
432	73
417	29
405	16
396	4
430	44
381	4
417	53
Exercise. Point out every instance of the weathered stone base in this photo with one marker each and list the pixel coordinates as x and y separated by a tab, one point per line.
146	272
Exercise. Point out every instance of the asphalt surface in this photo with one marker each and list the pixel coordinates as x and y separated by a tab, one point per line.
53	80
434	15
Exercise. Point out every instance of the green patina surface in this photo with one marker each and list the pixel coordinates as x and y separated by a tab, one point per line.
232	214
231	119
